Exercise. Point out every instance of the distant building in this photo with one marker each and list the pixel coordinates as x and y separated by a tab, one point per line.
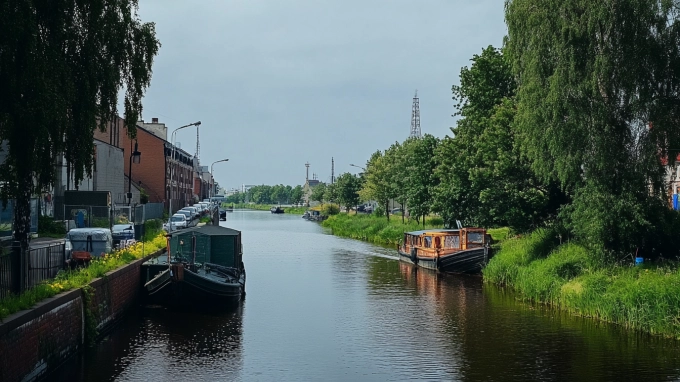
156	128
157	164
107	175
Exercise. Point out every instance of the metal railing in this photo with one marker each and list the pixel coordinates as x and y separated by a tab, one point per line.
22	270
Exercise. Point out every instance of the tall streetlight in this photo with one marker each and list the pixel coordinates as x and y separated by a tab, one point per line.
172	142
353	165
135	157
212	185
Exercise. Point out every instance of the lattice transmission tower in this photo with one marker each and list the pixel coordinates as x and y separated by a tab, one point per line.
415	117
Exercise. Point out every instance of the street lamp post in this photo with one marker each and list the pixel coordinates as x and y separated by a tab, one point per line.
353	165
172	142
212	185
135	157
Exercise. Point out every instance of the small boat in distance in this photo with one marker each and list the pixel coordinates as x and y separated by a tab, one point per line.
276	210
203	269
462	250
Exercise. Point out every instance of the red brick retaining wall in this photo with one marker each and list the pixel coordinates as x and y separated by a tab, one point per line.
36	341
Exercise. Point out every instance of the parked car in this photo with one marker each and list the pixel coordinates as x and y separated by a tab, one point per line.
193	210
188	215
368	209
361	208
122	232
178	221
203	207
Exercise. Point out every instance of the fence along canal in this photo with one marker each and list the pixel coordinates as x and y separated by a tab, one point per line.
20	270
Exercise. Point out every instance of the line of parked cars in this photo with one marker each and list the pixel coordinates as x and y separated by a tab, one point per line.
187	216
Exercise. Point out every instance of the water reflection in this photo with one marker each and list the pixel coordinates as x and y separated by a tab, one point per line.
500	338
162	345
323	308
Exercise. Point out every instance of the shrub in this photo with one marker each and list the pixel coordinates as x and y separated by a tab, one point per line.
47	225
330	209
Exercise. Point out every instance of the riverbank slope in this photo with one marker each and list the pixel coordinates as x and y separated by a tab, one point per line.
375	229
568	277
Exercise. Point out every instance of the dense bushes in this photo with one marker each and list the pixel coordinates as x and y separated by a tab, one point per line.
48	227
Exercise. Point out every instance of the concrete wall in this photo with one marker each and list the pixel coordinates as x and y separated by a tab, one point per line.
109	173
35	342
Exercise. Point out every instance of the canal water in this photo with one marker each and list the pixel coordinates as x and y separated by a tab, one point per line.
323	308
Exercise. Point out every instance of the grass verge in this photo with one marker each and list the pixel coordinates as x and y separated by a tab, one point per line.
375	229
72	279
266	207
569	277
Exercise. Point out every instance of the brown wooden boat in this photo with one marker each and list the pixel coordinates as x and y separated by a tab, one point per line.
463	250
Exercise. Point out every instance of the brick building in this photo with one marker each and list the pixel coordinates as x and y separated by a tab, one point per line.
153	172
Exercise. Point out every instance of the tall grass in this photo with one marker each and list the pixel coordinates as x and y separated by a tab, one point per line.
569	277
376	229
72	279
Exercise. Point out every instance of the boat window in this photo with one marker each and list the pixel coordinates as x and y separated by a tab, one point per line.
475	237
428	242
451	242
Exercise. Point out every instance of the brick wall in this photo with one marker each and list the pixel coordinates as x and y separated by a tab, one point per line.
153	171
34	342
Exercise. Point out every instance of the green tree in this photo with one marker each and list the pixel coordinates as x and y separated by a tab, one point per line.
348	186
421	179
378	185
483	178
62	65
598	102
278	194
296	195
399	171
318	193
330	194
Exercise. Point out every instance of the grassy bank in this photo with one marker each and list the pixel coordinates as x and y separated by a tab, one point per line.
570	278
375	229
72	279
266	207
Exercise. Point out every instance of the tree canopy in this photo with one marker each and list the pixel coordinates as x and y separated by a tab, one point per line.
348	186
484	180
597	106
62	65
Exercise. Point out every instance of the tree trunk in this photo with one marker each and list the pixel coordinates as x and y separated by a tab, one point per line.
22	210
387	210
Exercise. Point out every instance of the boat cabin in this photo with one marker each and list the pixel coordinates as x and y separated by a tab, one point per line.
207	244
431	243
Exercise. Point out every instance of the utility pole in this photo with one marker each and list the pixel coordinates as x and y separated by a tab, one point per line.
332	170
415	117
198	145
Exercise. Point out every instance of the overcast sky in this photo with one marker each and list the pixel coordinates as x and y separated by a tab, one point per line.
277	83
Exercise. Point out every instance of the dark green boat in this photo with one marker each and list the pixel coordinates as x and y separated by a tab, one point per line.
202	269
